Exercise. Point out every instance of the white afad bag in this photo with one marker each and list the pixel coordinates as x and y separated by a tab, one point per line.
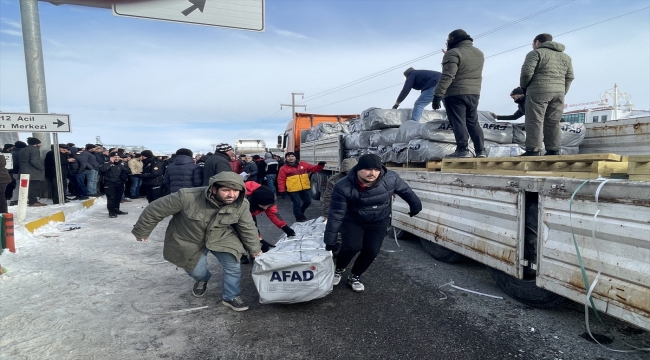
297	269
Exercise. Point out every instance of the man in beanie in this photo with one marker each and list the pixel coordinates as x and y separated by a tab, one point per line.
218	162
346	166
152	175
423	80
262	200
209	219
50	171
15	171
545	78
293	178
32	164
91	168
7	148
183	172
9	190
460	88
115	173
519	98
360	210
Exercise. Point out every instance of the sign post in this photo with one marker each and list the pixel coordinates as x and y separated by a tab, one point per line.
35	123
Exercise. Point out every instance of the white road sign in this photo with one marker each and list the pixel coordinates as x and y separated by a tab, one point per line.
235	14
34	122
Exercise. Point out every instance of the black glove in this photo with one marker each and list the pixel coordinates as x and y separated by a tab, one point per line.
395	106
321	163
330	247
289	231
524	90
412	214
436	103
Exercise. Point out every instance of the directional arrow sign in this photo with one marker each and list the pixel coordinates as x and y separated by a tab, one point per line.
234	14
34	122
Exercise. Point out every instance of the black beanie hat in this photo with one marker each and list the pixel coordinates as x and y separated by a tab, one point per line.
262	196
7	146
517	91
90	146
184	151
457	36
20	145
147	153
369	161
289	154
33	141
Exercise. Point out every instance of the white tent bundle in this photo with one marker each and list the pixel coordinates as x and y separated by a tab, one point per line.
298	269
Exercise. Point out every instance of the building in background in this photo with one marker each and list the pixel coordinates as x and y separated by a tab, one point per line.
602	110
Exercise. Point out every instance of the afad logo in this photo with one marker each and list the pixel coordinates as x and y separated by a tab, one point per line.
291	276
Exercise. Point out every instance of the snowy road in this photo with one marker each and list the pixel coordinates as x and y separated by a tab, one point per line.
96	293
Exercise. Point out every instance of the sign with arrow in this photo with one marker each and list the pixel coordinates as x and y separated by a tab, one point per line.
47	123
233	14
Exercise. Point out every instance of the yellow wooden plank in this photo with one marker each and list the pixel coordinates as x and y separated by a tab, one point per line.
639	168
576	174
566	158
607	168
639	158
640	177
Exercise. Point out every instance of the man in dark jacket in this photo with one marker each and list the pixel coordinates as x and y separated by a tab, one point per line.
272	167
423	80
519	98
218	162
360	209
460	87
546	76
250	168
183	172
152	175
115	173
91	167
15	171
261	169
50	171
32	164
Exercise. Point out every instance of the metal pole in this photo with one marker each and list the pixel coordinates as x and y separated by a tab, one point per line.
57	163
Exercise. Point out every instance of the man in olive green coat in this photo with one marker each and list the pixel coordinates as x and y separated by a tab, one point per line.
33	165
460	87
545	78
214	218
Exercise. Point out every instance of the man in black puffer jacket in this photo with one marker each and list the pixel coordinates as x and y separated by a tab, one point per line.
360	208
183	172
115	173
152	175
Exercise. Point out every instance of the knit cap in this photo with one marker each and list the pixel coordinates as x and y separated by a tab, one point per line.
369	161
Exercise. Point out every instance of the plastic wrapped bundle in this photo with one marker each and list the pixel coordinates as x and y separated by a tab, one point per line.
569	150
358	140
421	150
354	125
377	119
503	150
383	137
439	130
297	269
572	134
399	153
519	134
333	128
408	131
498	132
352	154
384	152
433	115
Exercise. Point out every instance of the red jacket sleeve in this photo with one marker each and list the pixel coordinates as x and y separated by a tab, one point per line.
282	179
312	168
272	213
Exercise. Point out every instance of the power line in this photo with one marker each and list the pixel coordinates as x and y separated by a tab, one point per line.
371	76
503	52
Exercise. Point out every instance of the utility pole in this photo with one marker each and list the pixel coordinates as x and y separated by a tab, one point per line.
293	104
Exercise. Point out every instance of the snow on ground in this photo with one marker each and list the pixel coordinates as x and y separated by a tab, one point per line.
87	293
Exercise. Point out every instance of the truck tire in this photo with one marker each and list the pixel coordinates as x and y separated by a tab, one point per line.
525	291
440	253
315	183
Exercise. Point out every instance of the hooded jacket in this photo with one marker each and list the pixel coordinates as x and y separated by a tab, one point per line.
199	221
271	211
214	165
462	71
295	177
546	69
271	165
373	205
183	173
346	165
418	80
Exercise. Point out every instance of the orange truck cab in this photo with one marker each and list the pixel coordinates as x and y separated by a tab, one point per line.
291	139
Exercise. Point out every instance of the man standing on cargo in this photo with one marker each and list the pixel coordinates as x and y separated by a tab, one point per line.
545	78
214	218
423	80
360	209
293	178
460	89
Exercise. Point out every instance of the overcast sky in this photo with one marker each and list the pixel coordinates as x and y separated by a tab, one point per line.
168	85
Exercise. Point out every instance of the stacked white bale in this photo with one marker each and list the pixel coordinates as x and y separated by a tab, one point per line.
297	269
572	135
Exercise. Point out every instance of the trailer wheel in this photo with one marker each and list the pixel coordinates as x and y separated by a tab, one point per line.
525	291
440	253
315	184
401	234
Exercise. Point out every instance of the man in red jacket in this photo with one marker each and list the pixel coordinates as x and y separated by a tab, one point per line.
262	200
293	178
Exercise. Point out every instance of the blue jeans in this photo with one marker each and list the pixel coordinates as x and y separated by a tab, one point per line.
296	197
135	186
231	272
91	179
80	186
426	97
270	182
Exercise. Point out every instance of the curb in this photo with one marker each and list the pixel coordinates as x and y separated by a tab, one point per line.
58	216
